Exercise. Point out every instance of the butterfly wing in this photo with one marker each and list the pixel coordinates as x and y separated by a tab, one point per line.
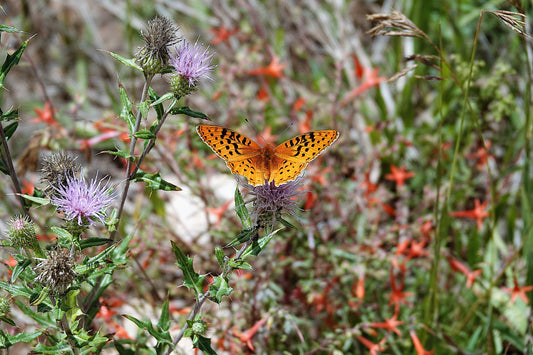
241	154
291	157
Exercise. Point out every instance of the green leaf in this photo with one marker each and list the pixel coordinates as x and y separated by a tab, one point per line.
192	280
154	97
219	288
163	98
219	253
126	113
204	344
120	153
144	134
287	223
185	110
7	320
11	60
155	181
19	268
63	234
94	242
239	264
259	245
10	129
10	29
241	210
130	62
164	318
37	200
9	115
243	236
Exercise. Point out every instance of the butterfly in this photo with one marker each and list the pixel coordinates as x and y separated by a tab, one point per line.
261	165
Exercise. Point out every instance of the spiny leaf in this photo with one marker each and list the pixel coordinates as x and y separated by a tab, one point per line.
192	280
130	62
155	181
204	344
126	113
11	61
185	110
219	288
241	210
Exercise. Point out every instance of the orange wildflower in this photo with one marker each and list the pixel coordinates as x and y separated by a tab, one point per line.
274	69
399	175
459	266
222	34
45	115
247	336
373	348
418	345
518	291
478	213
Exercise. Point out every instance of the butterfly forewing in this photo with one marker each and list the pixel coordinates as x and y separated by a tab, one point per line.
228	144
306	147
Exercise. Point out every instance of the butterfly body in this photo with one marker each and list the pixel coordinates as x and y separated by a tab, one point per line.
266	164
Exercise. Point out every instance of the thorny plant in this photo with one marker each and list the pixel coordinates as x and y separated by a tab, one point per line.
61	287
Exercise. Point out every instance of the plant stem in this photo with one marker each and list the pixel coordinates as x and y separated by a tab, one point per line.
203	297
151	142
131	153
6	157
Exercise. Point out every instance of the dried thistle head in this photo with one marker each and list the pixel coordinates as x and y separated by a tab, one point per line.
57	167
160	34
57	271
394	24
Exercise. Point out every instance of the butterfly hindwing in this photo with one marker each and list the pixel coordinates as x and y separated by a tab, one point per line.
306	147
228	144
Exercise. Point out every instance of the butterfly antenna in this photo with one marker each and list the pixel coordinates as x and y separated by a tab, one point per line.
255	130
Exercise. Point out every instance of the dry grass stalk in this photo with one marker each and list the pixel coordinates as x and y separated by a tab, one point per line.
514	20
394	24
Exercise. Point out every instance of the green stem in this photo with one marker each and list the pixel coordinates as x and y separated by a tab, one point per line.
132	152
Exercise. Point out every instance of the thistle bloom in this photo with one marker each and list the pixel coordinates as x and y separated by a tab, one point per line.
269	200
57	271
160	34
191	62
84	202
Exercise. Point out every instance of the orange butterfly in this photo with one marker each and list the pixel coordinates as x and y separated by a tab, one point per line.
266	164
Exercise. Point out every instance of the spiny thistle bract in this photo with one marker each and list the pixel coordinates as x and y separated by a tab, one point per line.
21	232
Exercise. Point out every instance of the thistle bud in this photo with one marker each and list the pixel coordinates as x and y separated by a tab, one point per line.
22	232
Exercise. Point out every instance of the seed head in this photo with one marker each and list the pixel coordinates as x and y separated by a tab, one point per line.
56	167
57	271
160	34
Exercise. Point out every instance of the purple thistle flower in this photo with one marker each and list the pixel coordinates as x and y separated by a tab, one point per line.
269	200
191	62
85	202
